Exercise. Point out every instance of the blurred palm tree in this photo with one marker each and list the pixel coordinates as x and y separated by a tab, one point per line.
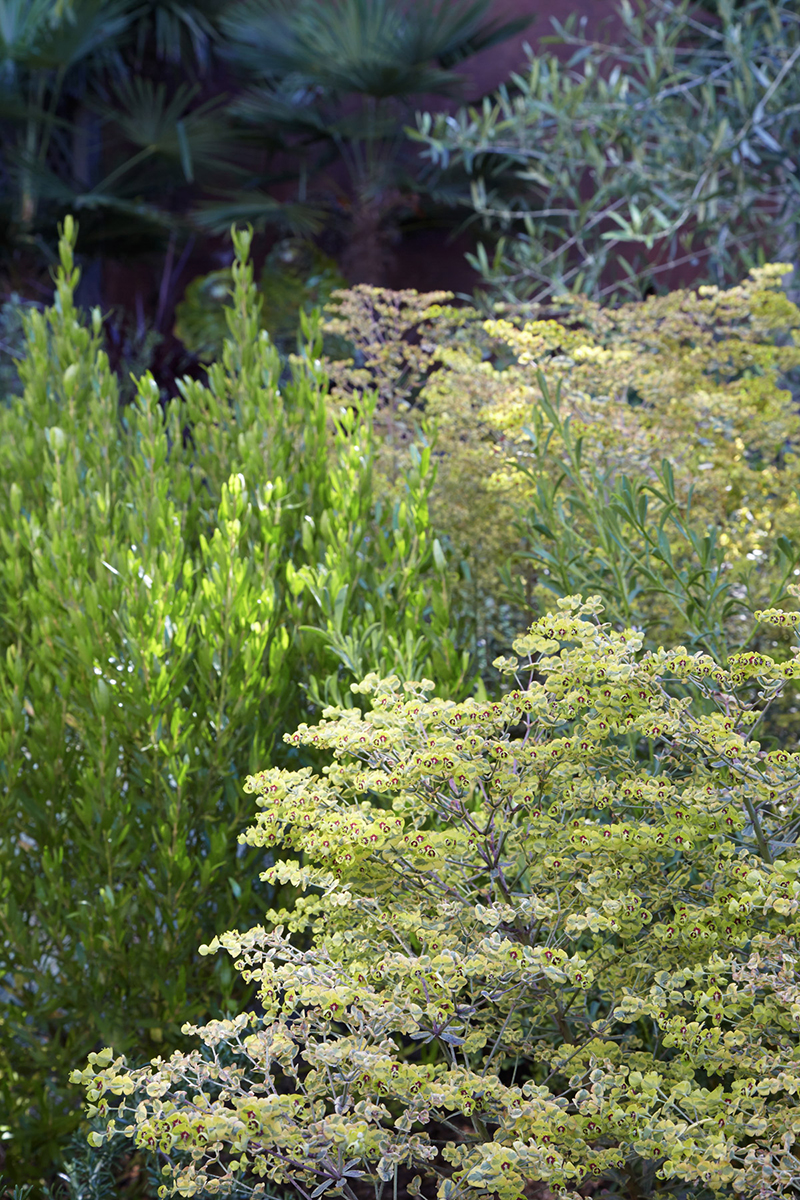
116	110
47	52
178	32
101	112
333	81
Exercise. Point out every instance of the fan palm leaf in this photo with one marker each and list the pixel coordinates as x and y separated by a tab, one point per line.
377	48
335	80
166	125
23	26
298	111
259	209
175	27
88	28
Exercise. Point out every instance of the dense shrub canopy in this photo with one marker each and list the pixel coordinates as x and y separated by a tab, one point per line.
645	452
623	438
181	587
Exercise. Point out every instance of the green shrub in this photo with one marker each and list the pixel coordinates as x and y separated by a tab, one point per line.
650	452
647	452
167	580
409	347
552	939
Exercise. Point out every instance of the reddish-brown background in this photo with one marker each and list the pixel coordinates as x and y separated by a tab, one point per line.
488	69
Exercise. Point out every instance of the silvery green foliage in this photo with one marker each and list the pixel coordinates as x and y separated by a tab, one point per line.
682	143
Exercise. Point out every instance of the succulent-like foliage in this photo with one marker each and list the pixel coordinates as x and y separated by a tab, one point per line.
545	938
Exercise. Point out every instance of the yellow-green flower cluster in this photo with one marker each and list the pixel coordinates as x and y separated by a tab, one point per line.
705	367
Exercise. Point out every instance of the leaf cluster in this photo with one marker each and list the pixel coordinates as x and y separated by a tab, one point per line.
656	443
677	142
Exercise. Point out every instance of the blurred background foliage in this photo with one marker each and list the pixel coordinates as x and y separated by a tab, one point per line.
602	174
297	277
133	114
613	170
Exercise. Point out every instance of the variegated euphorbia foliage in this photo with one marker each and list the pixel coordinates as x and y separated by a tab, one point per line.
548	938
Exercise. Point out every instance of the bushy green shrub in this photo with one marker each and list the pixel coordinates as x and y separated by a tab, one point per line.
168	580
554	424
553	939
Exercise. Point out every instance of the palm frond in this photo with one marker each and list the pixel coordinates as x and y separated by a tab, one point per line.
177	26
259	209
17	107
24	24
378	48
167	126
451	33
299	111
88	28
139	209
52	188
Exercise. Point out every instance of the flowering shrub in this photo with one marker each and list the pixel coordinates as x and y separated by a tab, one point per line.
552	433
631	435
694	377
544	938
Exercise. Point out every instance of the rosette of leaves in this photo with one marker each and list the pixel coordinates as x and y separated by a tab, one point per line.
297	277
547	939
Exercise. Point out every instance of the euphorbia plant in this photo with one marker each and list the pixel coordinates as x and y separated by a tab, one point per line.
645	453
546	938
